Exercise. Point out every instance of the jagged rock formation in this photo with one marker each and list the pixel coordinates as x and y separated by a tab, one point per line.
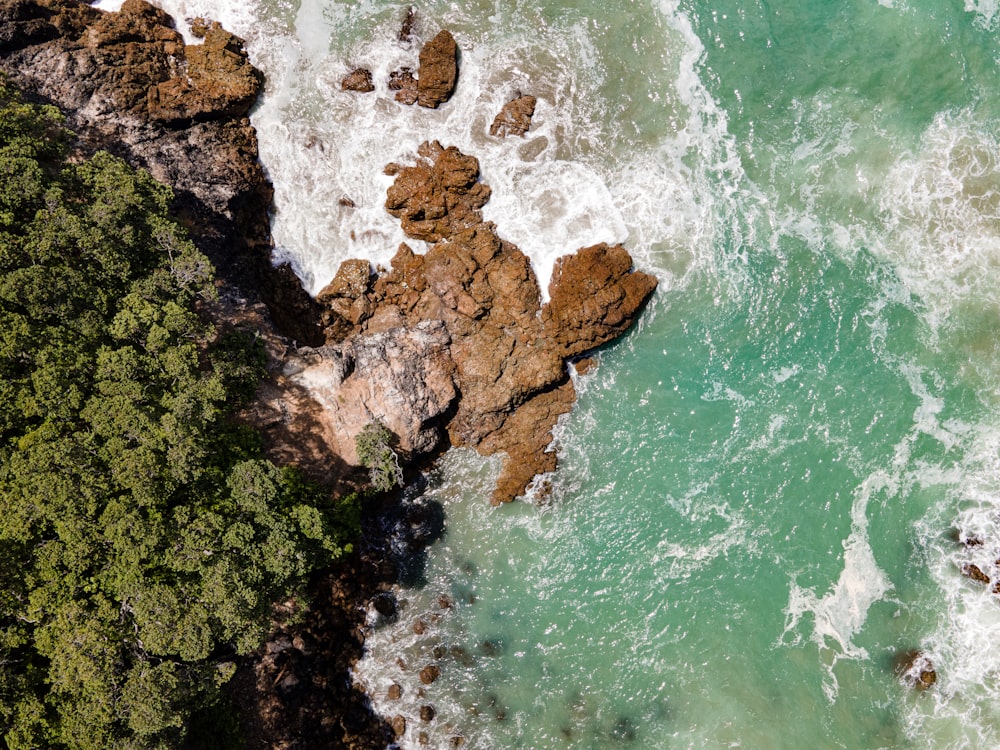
437	74
130	85
359	79
505	352
515	117
438	70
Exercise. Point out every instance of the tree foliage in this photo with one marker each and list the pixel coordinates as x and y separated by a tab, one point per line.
375	452
143	538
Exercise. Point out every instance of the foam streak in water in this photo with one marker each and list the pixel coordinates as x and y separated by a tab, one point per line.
840	614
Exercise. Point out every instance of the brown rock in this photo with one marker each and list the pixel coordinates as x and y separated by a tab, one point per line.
594	297
395	692
399	725
218	81
359	79
200	26
915	669
427	713
419	626
438	70
975	573
406	29
515	117
352	280
438	196
429	674
404	83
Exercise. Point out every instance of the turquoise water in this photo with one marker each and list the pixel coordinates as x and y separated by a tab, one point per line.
754	509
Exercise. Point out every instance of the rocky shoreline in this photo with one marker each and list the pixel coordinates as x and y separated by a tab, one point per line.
453	347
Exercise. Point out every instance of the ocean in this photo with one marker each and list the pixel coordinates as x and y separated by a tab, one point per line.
764	485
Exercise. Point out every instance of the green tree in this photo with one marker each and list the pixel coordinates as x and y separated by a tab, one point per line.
375	452
143	538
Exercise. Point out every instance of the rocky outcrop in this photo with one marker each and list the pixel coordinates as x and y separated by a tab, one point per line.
504	351
515	117
216	81
439	196
130	85
401	377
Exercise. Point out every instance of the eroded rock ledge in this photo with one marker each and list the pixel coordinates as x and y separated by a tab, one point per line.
456	343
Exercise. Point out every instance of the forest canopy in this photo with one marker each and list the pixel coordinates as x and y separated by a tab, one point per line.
143	538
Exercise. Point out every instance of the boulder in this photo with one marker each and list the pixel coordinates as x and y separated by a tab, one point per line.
515	117
438	70
359	79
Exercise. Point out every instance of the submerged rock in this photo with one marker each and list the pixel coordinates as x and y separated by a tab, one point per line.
429	674
915	669
973	571
399	725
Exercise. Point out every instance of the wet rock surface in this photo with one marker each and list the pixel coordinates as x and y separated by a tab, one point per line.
515	117
504	351
438	72
915	669
359	79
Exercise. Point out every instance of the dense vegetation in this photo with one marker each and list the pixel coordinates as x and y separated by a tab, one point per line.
143	538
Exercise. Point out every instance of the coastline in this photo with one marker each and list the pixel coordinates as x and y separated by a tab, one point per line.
182	114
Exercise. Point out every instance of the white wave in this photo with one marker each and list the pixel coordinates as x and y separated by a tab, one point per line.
841	613
563	187
965	709
940	208
986	11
